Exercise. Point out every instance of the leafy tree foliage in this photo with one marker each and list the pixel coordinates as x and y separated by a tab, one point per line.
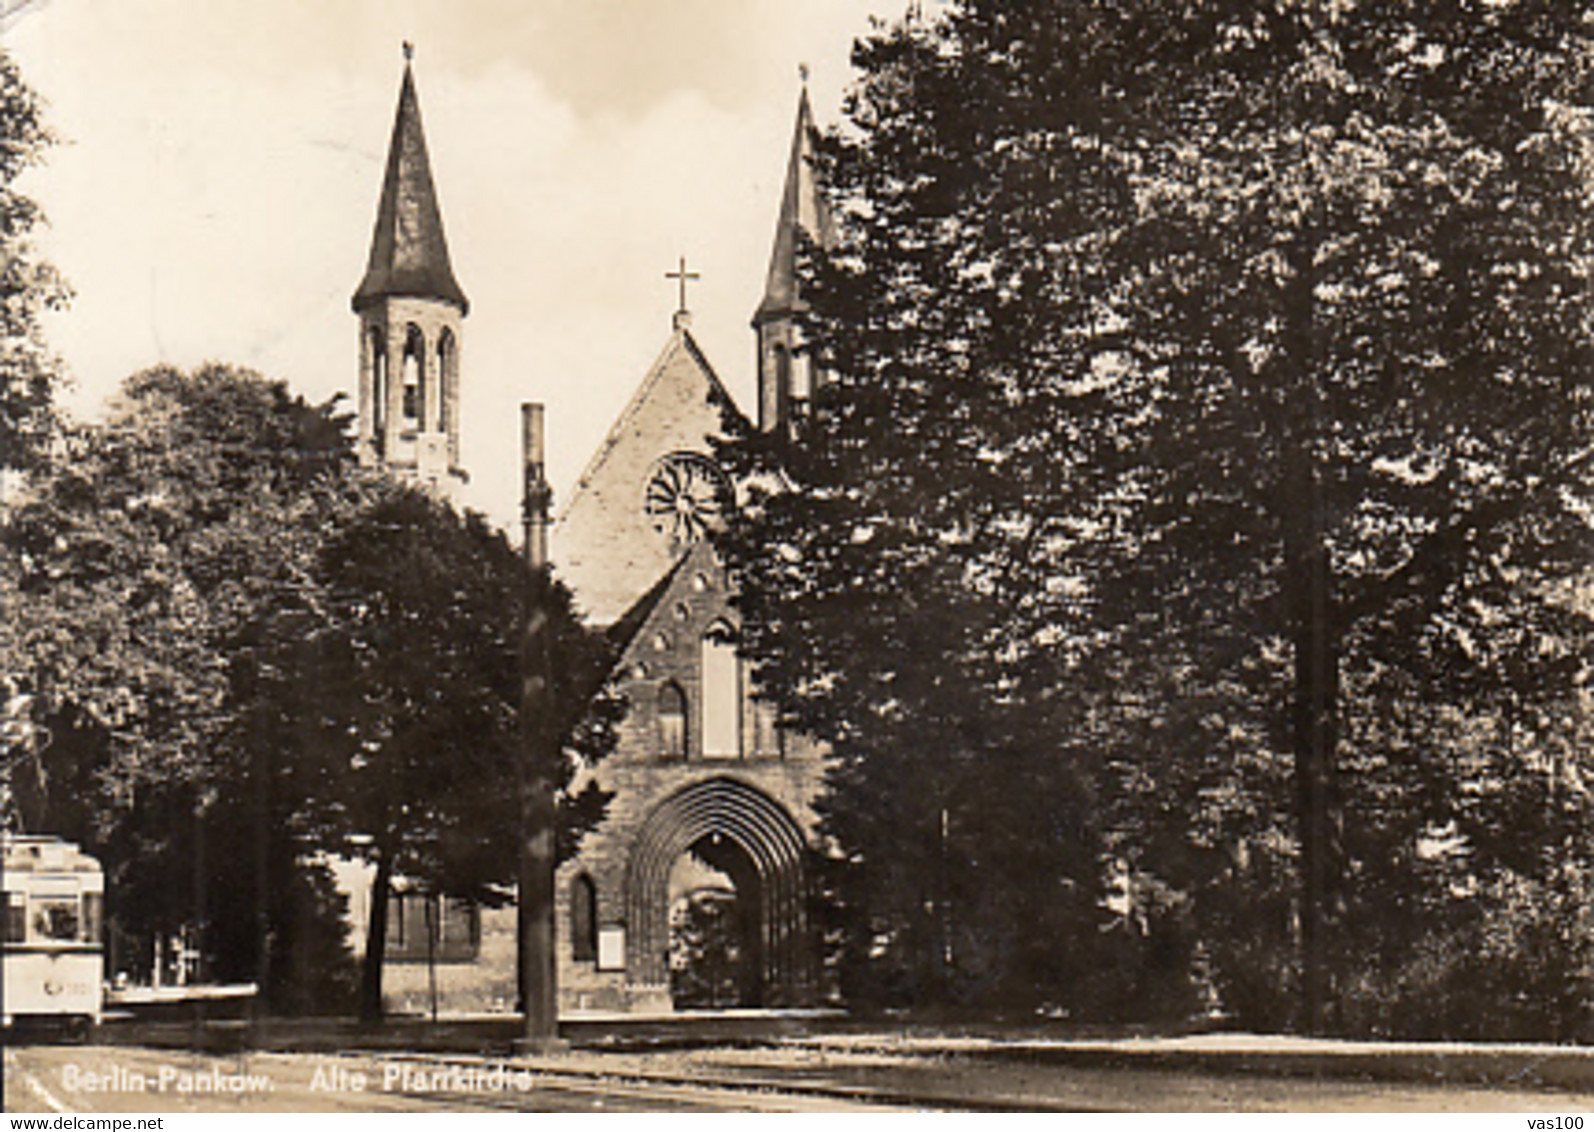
28	373
155	546
707	964
1200	494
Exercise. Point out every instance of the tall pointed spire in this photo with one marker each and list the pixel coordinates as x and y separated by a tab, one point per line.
411	313
801	209
409	255
787	377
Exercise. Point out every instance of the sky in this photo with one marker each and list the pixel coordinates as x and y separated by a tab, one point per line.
216	181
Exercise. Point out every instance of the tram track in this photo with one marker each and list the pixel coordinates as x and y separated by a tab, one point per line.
16	1071
653	1090
644	1083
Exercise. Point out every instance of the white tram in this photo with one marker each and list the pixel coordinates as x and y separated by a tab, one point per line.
55	911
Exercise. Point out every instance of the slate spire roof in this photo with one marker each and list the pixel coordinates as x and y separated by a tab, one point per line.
801	209
409	255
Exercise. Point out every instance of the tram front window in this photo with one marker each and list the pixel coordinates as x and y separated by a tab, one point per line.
16	917
56	918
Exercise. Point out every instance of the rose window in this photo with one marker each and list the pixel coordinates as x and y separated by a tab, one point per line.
685	495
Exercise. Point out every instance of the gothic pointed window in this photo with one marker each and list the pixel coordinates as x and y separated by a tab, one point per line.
722	693
799	377
672	721
783	375
583	919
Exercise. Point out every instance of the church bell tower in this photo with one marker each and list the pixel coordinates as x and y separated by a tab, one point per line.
786	376
410	308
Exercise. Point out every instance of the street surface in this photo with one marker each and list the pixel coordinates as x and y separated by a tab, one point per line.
88	1079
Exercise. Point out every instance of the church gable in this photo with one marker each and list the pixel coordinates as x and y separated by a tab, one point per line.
606	544
679	711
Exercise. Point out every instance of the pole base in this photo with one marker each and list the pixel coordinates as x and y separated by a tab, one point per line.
538	1047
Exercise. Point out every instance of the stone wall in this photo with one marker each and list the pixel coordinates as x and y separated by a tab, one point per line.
485	986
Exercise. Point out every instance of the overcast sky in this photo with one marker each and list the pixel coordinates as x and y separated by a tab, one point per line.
217	181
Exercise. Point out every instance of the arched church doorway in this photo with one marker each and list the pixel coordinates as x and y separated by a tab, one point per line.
715	945
716	900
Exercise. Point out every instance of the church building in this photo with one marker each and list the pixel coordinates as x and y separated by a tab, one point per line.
693	892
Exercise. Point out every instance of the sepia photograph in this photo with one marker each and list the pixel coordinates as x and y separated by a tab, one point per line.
796	556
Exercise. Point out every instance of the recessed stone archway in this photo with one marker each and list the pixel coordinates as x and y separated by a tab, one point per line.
770	839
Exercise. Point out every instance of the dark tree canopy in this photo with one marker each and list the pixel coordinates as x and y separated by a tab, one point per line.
1204	471
139	568
249	651
410	673
28	372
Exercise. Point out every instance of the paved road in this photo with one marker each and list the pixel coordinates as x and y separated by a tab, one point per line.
126	1079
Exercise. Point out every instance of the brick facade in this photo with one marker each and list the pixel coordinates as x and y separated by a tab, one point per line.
782	770
666	600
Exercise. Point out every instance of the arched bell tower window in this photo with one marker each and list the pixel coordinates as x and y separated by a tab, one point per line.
672	721
782	379
414	373
722	693
798	378
583	919
378	408
447	384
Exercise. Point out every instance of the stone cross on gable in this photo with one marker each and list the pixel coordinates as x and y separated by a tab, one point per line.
683	317
683	276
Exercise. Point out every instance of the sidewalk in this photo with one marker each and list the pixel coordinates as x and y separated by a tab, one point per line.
1494	1064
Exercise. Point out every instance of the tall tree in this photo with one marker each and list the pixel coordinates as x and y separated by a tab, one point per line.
1210	391
898	598
404	689
242	639
28	378
141	565
28	286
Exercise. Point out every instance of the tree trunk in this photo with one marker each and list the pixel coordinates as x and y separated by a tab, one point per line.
376	941
1314	727
1309	595
264	935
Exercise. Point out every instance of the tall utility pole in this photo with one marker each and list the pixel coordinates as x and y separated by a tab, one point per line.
539	995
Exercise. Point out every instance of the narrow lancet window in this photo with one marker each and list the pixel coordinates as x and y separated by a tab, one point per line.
672	721
722	694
